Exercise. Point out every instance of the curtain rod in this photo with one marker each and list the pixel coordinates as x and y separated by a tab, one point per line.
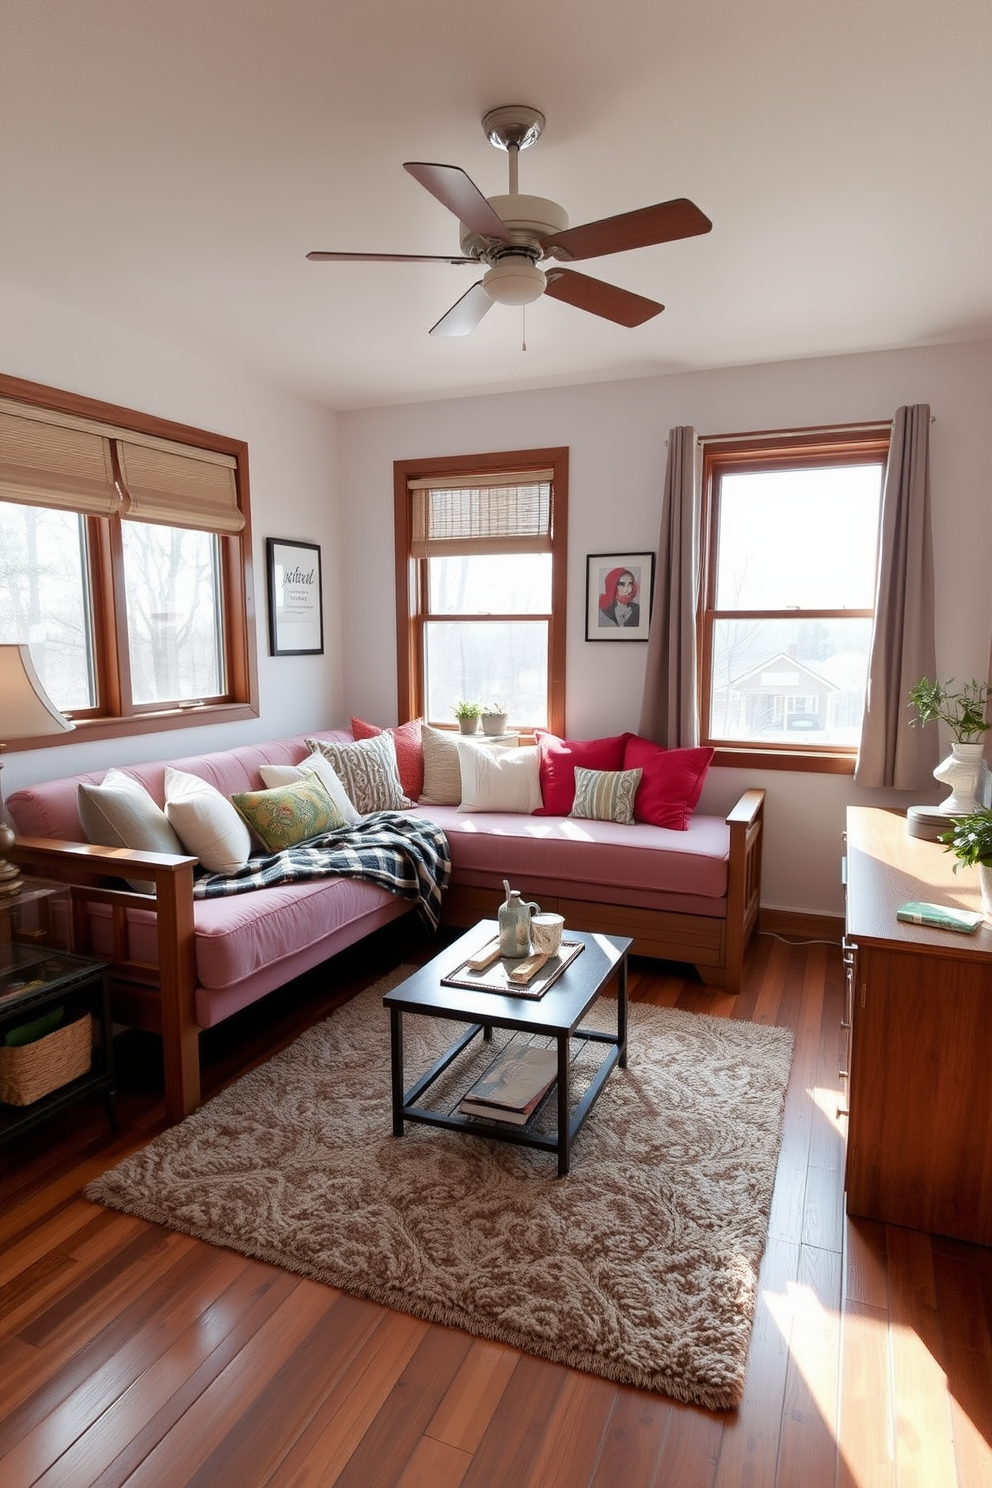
875	426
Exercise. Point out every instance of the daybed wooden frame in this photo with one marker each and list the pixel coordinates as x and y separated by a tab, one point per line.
161	999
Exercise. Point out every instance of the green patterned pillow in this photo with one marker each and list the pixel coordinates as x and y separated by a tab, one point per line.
289	814
605	795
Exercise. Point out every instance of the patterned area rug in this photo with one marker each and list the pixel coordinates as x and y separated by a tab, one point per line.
641	1265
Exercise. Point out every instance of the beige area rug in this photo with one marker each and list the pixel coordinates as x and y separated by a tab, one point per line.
641	1265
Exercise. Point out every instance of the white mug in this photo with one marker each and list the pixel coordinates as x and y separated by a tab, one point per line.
545	933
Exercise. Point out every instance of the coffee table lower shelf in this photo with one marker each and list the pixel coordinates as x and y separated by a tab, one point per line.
568	1125
555	1019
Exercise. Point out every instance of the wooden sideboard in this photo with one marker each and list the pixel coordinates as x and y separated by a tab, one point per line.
919	1148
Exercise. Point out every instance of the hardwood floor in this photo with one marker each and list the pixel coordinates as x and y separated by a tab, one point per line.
132	1355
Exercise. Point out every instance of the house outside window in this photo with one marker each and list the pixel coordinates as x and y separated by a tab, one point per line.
124	551
790	530
480	561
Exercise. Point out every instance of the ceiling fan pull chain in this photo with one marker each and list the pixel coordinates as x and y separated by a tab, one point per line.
523	327
514	153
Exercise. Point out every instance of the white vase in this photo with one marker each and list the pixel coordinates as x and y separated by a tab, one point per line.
985	879
494	723
960	771
468	725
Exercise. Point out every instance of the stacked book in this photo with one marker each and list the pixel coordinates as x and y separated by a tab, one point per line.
514	1084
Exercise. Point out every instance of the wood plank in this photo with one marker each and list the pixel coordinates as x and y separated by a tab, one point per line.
398	1426
967	1338
807	1449
632	1447
924	1444
573	1434
321	1452
467	1408
434	1464
507	1451
691	1448
867	1450
749	1448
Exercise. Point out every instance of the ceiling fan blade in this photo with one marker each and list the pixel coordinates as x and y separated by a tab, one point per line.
319	256
641	229
599	298
465	314
459	193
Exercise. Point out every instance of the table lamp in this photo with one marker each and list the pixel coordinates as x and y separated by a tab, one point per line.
26	711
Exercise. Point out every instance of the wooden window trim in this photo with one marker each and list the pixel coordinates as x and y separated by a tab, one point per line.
410	575
769	450
114	719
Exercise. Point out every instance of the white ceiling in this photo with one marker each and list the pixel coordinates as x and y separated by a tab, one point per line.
168	163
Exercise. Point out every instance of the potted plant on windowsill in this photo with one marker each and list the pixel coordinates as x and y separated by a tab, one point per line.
468	715
494	719
970	840
964	713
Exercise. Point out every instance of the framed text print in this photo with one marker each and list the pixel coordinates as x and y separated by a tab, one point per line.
296	614
618	596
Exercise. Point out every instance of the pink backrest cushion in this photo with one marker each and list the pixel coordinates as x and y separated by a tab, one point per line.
559	758
671	782
409	752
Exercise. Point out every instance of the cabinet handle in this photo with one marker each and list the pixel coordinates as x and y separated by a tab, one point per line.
864	989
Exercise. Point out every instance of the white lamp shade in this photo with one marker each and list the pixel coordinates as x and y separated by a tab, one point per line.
514	280
26	710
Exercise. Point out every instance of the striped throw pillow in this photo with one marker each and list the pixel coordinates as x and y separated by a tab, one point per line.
605	795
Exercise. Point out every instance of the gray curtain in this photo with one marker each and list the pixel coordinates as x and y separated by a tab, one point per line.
668	708
902	645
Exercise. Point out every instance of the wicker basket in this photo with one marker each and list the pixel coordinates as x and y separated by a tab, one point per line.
34	1070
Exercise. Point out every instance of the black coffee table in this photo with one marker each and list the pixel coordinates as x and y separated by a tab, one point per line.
556	1015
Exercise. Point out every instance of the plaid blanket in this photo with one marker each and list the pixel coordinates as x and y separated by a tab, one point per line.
407	857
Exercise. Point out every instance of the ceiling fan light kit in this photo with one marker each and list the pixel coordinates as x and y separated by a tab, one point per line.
510	235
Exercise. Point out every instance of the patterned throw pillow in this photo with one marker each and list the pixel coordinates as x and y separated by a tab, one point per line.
409	751
288	814
605	795
367	770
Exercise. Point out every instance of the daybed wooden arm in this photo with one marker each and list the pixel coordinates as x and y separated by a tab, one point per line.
78	864
746	822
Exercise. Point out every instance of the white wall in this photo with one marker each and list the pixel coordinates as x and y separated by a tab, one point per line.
616	434
292	475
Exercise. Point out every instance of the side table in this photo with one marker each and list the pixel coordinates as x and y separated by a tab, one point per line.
34	979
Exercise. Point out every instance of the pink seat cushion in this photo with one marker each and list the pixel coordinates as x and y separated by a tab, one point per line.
595	859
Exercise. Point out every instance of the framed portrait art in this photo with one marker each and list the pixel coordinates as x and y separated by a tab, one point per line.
619	589
296	611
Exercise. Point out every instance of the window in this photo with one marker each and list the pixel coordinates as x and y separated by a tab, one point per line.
480	565
790	527
124	544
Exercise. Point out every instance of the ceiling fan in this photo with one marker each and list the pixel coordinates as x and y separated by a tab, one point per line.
512	235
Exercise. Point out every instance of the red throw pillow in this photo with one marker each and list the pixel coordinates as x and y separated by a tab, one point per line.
559	758
671	783
409	752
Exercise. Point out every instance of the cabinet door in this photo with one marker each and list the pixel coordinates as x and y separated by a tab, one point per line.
920	1132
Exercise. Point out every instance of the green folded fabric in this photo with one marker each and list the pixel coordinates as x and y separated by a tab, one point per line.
30	1033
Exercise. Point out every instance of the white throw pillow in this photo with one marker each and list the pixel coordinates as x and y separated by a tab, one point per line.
275	775
119	812
499	779
207	823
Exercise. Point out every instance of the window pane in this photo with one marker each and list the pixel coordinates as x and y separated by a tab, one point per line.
172	588
802	538
789	681
488	662
44	598
490	584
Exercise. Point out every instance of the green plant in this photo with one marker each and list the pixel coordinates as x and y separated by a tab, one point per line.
468	710
970	838
962	711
